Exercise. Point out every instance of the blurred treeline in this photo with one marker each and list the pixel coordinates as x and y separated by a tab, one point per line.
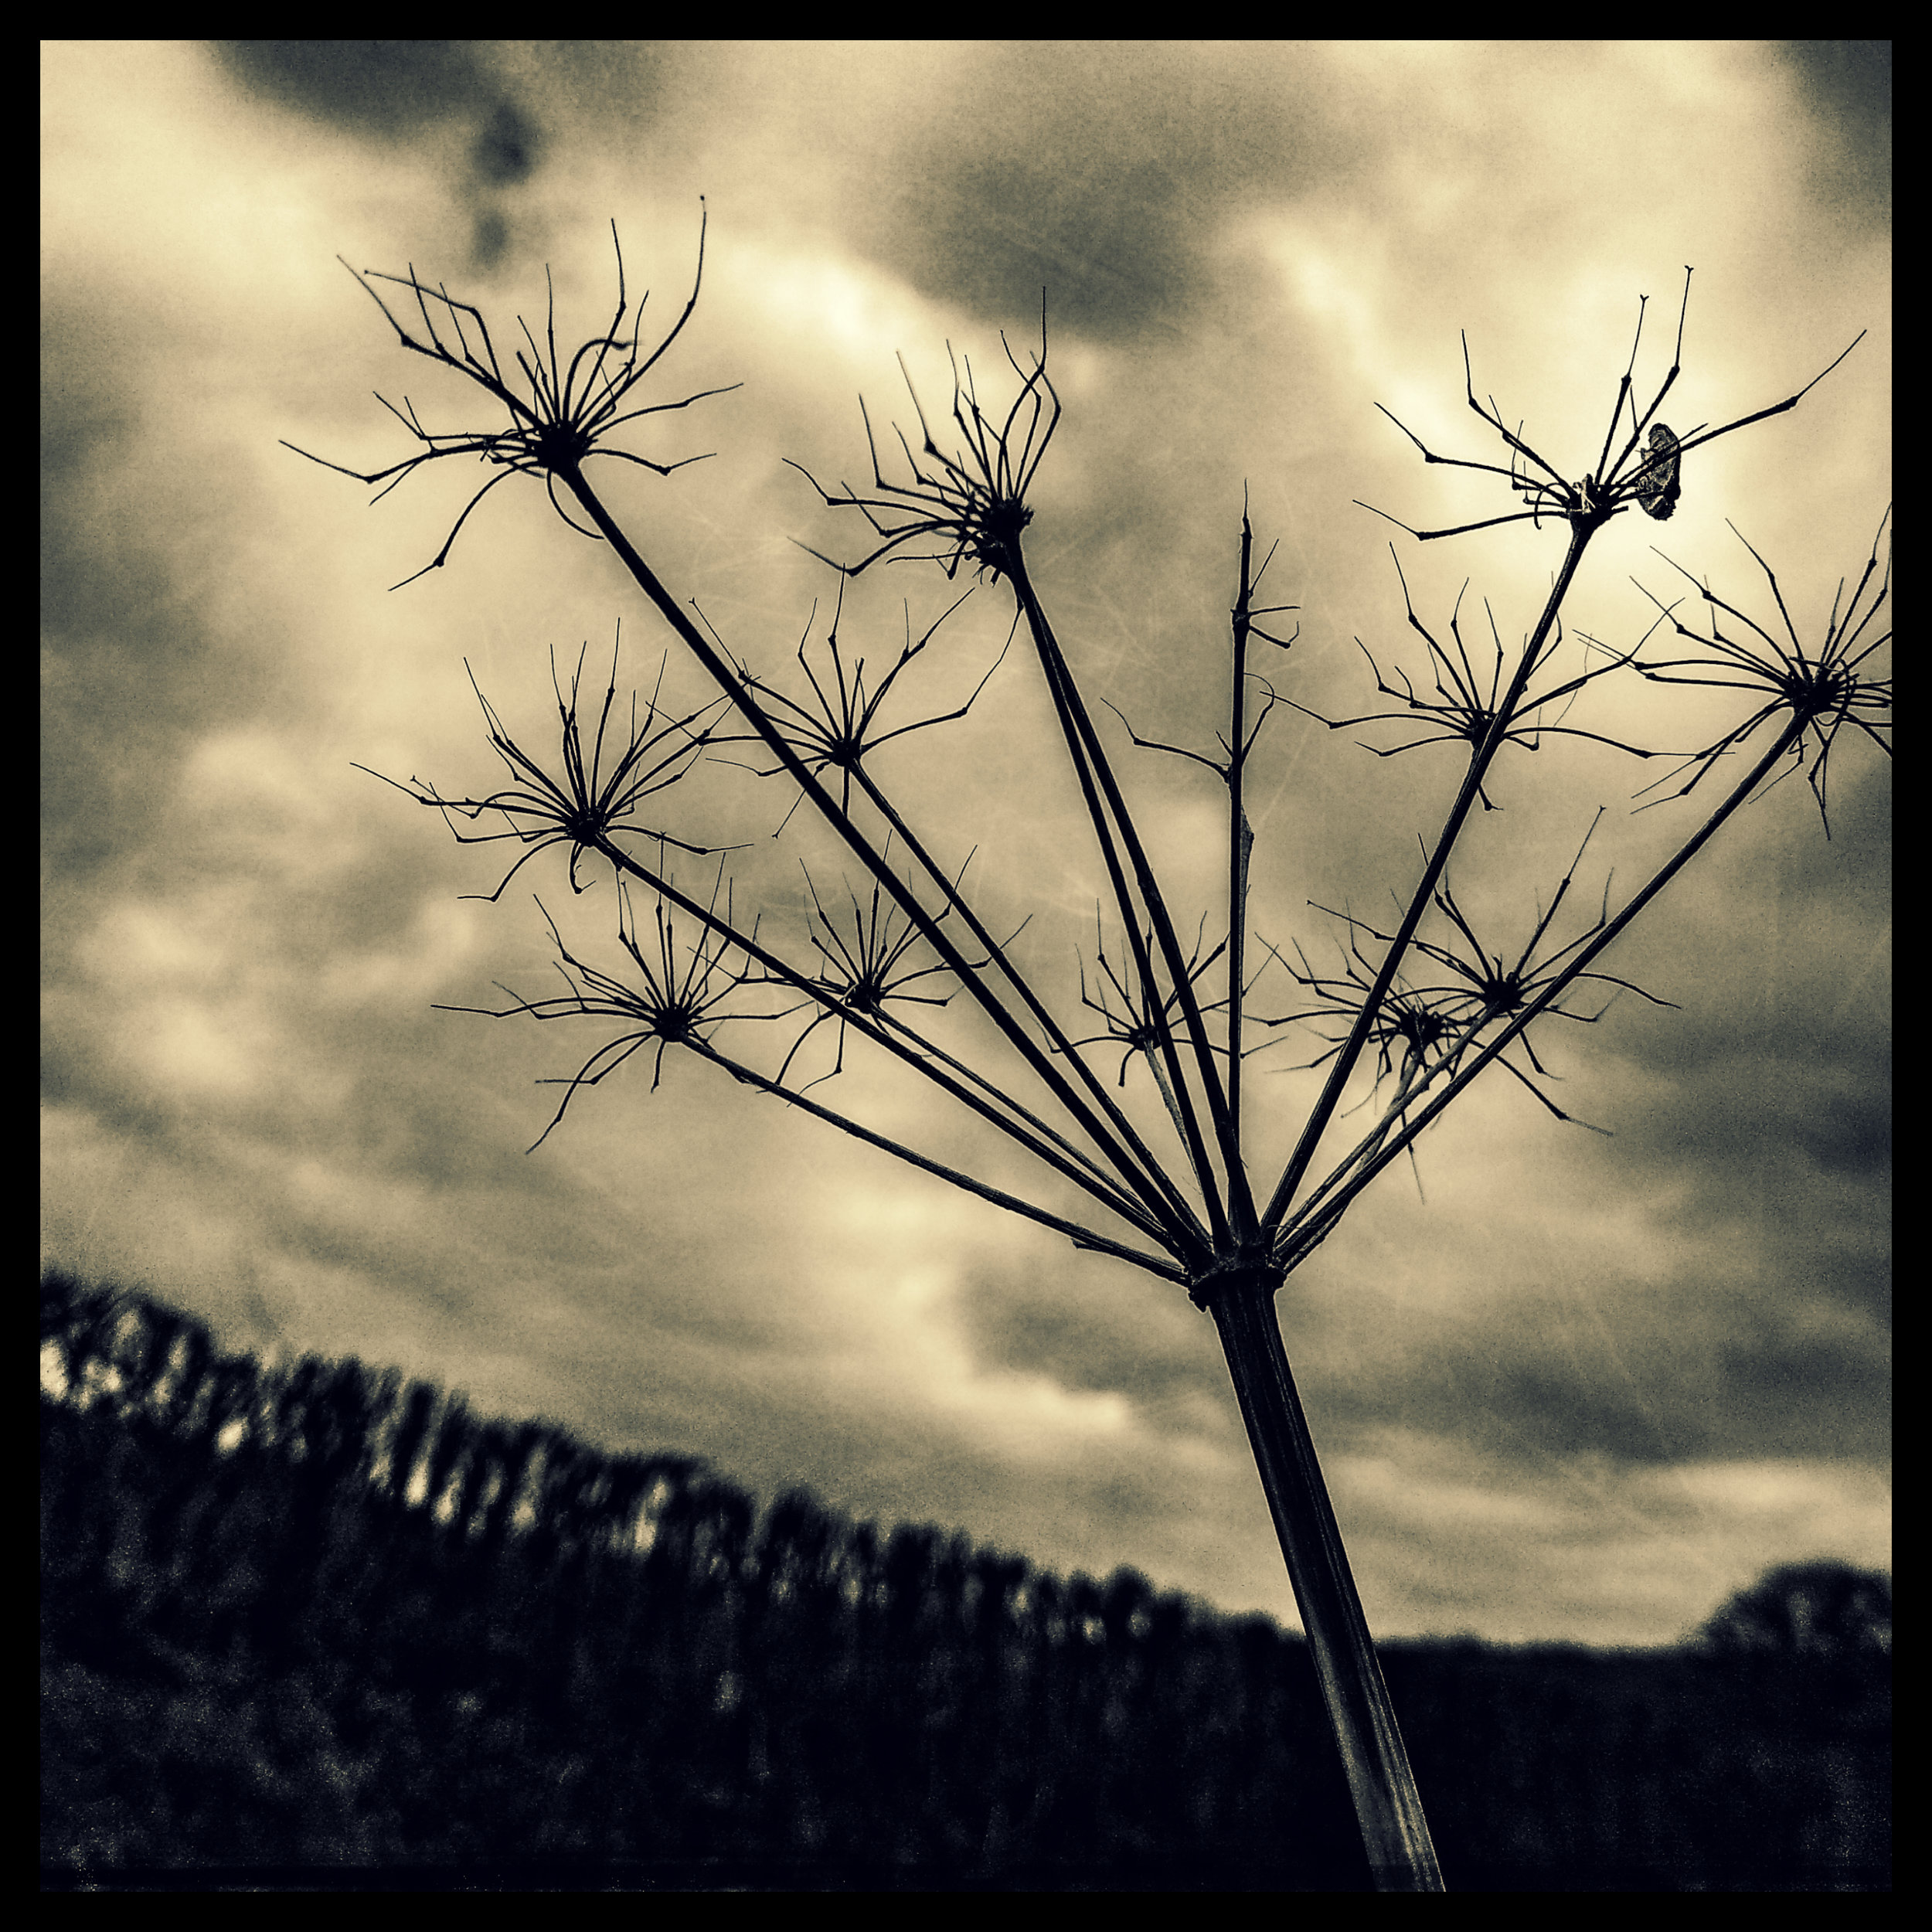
309	1616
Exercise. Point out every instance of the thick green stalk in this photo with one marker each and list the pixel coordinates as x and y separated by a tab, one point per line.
1394	1832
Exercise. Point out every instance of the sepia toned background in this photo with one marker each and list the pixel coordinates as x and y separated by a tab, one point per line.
1567	1385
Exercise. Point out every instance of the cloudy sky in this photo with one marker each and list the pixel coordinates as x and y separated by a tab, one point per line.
1572	1385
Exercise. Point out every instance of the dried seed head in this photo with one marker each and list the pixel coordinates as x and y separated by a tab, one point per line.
549	414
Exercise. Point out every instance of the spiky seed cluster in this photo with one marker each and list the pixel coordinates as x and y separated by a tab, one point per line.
1435	1026
841	727
670	1002
1821	692
862	970
1141	1021
1628	471
1465	707
561	416
972	506
1408	1029
589	805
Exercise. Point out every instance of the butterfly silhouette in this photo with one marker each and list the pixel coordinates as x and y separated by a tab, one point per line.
1657	490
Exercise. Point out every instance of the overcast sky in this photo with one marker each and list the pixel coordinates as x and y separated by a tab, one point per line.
1581	1387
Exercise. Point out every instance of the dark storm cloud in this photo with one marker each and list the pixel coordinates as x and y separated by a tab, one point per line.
251	1104
386	88
134	668
1767	1110
1850	79
1730	1377
396	90
1849	86
1100	172
1091	1336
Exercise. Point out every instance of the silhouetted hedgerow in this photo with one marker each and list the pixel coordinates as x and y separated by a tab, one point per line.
306	1616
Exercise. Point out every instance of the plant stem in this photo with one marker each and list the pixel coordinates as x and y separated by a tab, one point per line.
1295	1236
1156	1175
1090	760
1184	1240
1240	838
1581	530
1081	1237
1394	1832
1081	1171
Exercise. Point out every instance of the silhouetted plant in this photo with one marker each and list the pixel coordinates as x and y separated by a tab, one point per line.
1196	1220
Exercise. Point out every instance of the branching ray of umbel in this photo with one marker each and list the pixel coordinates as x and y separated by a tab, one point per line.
1434	1011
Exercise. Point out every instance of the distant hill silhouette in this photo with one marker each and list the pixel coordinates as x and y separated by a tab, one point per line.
313	1626
1823	1610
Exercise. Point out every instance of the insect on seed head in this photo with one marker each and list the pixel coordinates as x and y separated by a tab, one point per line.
1657	490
